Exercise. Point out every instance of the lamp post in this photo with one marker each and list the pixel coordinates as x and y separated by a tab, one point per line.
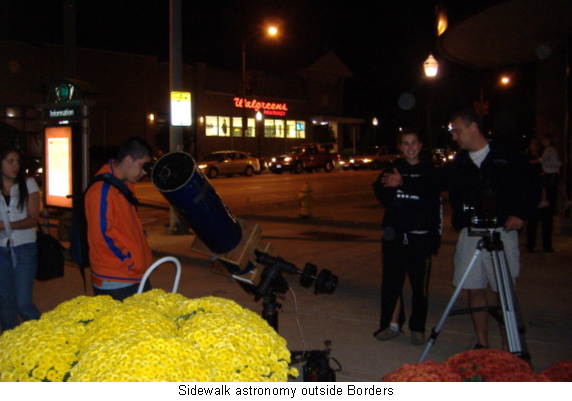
374	123
482	107
259	131
430	66
271	31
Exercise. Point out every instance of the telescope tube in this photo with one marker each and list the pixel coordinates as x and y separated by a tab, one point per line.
178	178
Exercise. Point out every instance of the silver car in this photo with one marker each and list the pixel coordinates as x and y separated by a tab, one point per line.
229	162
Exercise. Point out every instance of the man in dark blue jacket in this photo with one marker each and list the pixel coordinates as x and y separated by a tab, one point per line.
409	190
496	180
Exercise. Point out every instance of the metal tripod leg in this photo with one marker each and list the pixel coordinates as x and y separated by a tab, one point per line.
437	329
513	323
509	304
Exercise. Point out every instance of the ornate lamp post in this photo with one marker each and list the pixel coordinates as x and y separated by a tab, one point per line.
430	66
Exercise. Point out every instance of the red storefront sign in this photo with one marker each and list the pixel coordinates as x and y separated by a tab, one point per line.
268	108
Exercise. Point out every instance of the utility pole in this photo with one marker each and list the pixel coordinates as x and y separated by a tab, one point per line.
176	84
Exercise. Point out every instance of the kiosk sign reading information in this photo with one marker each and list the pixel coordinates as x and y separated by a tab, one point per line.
65	116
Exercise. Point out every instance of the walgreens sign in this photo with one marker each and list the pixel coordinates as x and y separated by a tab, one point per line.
267	108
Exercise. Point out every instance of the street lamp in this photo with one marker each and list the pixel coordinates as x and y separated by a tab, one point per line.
374	123
430	66
259	130
271	31
482	107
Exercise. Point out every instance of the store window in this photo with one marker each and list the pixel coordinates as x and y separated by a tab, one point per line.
237	127
273	128
217	126
295	129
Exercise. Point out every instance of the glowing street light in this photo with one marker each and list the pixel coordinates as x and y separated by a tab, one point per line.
482	107
431	66
271	31
374	123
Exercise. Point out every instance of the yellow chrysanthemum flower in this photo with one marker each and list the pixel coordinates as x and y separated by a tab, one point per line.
154	336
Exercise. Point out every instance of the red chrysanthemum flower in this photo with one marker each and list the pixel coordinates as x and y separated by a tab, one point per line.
427	371
560	371
490	365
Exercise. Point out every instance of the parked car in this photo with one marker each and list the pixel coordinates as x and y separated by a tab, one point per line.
375	158
440	157
229	162
310	157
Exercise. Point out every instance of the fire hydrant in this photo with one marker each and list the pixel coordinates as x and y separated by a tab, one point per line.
305	199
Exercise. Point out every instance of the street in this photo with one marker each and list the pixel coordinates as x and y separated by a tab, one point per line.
239	191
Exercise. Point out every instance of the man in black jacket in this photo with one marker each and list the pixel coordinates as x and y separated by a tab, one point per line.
409	190
497	181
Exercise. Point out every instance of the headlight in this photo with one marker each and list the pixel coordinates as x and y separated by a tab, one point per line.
287	159
273	160
366	160
352	161
202	166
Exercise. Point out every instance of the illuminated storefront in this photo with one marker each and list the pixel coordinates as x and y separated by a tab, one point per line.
224	126
278	111
272	125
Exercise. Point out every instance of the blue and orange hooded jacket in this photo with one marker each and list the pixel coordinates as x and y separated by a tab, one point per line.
118	248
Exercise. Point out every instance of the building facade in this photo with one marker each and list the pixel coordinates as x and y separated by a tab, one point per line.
129	95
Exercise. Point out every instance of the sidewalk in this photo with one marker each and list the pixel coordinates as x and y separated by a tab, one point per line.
346	241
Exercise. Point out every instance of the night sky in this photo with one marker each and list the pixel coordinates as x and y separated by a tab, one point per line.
384	44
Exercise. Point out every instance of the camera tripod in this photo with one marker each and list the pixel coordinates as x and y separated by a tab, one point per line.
511	318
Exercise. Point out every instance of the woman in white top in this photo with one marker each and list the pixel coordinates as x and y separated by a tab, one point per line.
19	212
549	160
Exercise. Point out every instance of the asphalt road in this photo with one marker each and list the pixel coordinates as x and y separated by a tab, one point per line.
240	191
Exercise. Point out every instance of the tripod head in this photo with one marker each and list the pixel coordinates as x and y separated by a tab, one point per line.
480	226
272	280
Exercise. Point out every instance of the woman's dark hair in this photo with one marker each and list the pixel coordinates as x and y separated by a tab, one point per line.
20	178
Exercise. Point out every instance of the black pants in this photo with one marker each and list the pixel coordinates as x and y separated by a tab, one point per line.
120	294
406	254
545	215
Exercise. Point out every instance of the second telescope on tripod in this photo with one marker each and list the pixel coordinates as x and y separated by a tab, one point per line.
487	229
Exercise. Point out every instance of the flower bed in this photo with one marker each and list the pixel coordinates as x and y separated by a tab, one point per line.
154	336
480	365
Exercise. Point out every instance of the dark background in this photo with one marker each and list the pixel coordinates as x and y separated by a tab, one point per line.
383	43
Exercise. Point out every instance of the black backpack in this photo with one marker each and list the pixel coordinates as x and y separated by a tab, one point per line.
79	246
